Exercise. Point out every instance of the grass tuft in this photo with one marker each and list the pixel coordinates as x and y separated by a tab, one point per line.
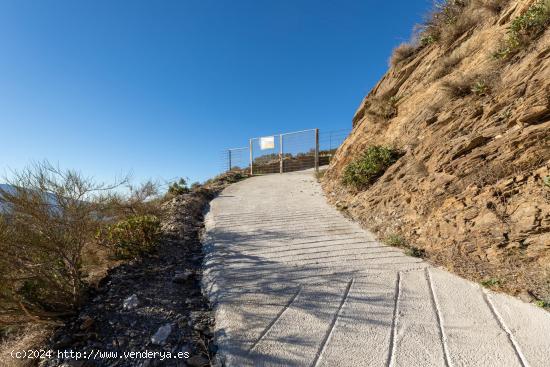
401	53
491	282
395	240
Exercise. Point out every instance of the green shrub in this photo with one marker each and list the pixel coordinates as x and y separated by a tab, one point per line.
416	252
542	304
525	28
179	187
131	237
428	39
372	164
395	240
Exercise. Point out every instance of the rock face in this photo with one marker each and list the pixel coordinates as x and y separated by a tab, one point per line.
472	186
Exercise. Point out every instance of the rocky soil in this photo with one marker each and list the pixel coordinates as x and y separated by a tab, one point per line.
154	303
473	186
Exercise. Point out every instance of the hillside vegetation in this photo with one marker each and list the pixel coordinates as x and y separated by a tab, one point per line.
467	106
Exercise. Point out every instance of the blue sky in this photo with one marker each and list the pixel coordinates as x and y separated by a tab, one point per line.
160	88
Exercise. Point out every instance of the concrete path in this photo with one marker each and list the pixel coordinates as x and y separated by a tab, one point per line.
294	283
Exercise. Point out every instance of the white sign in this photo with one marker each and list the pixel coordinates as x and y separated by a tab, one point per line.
267	142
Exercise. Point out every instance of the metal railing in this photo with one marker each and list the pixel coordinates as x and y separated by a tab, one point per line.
286	152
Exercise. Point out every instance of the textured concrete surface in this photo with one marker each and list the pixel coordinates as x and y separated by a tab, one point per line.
294	283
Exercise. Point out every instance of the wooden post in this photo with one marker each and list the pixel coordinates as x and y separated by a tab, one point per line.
281	168
317	150
250	148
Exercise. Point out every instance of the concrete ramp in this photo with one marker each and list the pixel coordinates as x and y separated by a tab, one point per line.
294	283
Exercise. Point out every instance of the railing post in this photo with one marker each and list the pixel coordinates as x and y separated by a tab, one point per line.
250	148
281	168
229	159
317	150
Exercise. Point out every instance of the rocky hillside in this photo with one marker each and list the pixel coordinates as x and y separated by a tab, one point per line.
467	105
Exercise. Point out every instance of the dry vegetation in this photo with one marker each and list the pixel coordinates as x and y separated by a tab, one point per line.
383	106
59	233
401	53
448	22
476	84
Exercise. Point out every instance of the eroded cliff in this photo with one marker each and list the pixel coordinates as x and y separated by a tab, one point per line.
470	111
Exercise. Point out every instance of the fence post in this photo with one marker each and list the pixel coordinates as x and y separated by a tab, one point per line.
250	148
317	150
229	159
281	153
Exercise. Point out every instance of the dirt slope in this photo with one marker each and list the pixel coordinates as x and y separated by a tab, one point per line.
472	188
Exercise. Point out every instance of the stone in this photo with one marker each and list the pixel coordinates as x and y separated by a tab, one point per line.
162	334
130	302
534	114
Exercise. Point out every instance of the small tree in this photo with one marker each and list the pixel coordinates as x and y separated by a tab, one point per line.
49	215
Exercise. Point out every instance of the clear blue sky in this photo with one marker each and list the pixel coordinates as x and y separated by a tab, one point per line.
160	88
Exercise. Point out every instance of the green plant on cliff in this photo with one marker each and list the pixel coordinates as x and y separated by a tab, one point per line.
131	237
480	88
395	240
366	169
524	29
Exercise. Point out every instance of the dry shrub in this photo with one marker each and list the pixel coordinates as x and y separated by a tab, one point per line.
139	200
454	30
51	215
402	53
384	106
49	222
446	65
457	88
493	6
478	84
451	19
